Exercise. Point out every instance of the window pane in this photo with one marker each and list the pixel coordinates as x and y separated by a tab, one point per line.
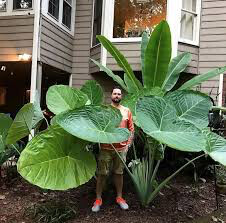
187	26
54	8
22	4
67	15
97	20
2	5
132	17
189	5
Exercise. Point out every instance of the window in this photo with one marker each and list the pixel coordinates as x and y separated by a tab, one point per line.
132	17
53	8
61	12
97	19
67	8
190	14
2	5
22	4
16	7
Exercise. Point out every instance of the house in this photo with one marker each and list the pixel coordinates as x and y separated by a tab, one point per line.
46	42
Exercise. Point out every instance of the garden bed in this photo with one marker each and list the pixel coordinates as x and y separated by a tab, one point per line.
183	201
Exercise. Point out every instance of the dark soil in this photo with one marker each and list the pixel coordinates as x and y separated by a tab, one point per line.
182	201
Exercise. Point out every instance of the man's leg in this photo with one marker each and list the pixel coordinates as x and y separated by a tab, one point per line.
103	170
118	167
101	179
118	180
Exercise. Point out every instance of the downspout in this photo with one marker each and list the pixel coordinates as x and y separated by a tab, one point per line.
36	49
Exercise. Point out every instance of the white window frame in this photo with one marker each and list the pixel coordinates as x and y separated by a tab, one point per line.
173	17
196	25
10	11
59	21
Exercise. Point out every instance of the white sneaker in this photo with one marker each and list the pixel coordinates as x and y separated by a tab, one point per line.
97	204
122	203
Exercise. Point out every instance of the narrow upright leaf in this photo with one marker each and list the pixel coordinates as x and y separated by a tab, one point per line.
121	60
157	56
60	98
176	66
94	92
22	124
144	43
202	77
129	84
109	72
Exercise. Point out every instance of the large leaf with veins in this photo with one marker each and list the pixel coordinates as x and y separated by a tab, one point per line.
56	160
215	147
94	92
60	98
94	123
158	118
191	106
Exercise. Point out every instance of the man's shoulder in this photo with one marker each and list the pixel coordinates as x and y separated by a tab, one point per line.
125	111
124	108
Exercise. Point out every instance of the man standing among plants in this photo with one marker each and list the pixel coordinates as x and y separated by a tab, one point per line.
108	156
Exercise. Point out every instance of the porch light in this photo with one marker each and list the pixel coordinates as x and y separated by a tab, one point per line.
24	57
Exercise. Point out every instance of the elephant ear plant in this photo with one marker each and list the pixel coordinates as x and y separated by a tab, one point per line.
57	158
177	119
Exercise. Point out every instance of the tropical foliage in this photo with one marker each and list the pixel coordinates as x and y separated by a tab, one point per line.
57	158
177	119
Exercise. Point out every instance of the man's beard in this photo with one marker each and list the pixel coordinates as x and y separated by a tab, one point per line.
116	100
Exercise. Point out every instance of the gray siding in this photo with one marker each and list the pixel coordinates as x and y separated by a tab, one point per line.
132	53
56	46
194	50
16	36
212	41
95	53
82	42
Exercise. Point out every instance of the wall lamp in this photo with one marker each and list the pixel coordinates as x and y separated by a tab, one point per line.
24	57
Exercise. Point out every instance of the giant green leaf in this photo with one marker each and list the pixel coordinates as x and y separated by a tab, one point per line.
157	56
158	118
5	123
22	124
121	60
144	43
176	66
56	160
191	106
109	72
95	124
201	78
38	115
215	147
94	92
61	98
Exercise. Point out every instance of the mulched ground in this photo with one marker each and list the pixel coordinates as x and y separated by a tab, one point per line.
183	201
